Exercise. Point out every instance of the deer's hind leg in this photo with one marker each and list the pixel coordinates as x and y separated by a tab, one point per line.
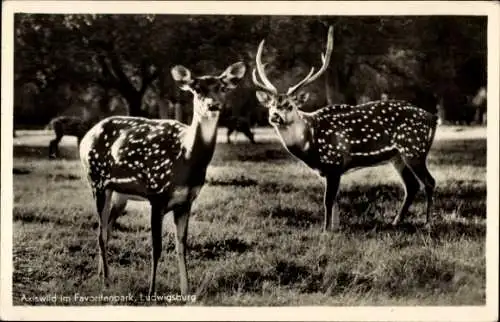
104	205
54	145
230	131
411	187
248	133
119	202
419	168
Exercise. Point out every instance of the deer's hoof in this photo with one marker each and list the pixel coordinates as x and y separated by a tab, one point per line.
331	229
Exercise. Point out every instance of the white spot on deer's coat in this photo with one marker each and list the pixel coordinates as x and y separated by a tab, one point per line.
115	148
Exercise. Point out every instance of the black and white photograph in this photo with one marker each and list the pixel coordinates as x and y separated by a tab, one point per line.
304	158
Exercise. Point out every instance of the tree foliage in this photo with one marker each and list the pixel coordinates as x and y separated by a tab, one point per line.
428	58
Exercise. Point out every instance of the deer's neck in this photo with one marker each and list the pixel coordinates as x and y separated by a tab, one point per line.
200	139
298	136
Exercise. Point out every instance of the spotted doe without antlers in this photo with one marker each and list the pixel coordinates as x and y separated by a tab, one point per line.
163	162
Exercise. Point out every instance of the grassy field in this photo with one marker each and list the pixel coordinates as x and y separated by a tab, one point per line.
255	234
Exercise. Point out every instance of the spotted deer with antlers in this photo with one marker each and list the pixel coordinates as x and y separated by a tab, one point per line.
337	138
163	162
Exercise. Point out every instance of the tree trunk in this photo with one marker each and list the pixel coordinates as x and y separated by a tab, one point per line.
178	112
163	108
134	100
329	88
441	111
338	86
115	77
333	91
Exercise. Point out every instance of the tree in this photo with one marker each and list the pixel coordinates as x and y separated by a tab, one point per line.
416	58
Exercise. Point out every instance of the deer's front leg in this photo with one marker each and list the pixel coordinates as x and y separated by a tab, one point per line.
229	132
54	147
156	235
181	218
332	220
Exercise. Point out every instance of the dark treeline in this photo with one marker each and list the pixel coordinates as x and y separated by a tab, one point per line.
78	64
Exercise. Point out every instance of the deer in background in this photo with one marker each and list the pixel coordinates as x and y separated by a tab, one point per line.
239	124
66	125
337	138
240	114
77	126
163	162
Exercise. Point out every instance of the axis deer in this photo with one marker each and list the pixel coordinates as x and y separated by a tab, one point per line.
238	124
79	125
163	162
338	138
66	125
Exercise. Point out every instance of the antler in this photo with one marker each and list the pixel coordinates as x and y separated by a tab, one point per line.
325	58
266	85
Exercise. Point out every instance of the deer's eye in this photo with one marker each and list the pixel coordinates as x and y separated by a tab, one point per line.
286	106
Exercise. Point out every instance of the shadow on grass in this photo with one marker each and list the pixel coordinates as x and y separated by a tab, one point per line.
466	199
275	187
466	196
20	171
250	153
235	182
63	177
210	250
252	281
32	217
442	230
370	205
459	153
42	152
292	217
332	281
91	224
369	225
415	272
219	248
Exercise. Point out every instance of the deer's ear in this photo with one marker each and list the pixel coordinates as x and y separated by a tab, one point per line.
264	98
233	74
302	97
182	76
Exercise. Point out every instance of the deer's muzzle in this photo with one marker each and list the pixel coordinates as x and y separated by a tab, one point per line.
276	118
214	107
